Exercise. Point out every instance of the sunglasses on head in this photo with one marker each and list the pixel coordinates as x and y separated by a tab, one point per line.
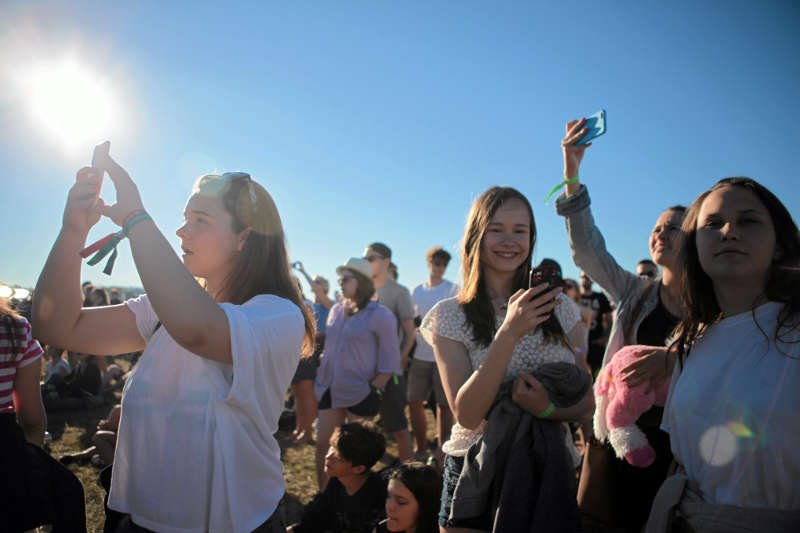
230	176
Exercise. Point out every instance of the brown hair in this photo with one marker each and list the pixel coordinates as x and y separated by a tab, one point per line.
437	253
697	288
262	266
364	292
473	297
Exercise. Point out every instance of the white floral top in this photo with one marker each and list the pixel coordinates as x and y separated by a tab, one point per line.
448	320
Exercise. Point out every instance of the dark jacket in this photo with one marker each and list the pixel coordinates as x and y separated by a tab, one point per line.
519	471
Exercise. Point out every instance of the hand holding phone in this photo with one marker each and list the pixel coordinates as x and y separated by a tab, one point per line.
595	127
545	274
528	308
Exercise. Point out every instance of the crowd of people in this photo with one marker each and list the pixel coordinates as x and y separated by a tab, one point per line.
511	363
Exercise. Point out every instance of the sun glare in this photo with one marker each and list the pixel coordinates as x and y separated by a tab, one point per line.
70	102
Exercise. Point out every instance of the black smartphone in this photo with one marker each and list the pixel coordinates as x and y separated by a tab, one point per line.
545	274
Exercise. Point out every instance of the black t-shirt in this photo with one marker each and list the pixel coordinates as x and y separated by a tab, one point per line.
656	327
335	511
599	304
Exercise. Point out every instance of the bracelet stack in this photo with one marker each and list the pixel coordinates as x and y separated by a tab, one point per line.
108	244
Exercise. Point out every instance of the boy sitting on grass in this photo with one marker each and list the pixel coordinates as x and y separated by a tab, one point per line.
354	499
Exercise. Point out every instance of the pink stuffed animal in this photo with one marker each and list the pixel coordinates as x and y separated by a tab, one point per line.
619	405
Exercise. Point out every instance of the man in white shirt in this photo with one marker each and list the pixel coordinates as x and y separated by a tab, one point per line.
423	376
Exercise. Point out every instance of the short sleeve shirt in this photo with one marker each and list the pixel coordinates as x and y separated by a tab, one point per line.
397	298
732	412
195	448
18	349
448	320
425	297
599	305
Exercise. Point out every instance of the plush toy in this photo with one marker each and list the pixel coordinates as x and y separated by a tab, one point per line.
619	405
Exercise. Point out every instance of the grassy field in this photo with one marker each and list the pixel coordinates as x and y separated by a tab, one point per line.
72	431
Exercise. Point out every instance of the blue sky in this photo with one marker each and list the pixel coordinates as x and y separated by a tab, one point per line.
383	120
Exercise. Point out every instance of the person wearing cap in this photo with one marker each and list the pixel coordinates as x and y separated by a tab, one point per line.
398	299
361	354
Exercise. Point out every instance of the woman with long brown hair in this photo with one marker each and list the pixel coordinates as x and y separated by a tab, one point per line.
195	450
361	354
732	411
611	491
489	341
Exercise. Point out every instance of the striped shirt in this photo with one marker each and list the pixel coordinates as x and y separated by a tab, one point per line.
23	351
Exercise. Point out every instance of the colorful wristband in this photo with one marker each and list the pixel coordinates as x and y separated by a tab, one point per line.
108	244
133	220
558	187
547	412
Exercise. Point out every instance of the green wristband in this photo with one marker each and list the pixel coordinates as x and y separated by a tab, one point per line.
547	412
558	187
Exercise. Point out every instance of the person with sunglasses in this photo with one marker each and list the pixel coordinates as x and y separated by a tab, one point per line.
221	327
361	354
398	299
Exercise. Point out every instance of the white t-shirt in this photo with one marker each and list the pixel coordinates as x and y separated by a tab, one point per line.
195	450
425	297
733	413
448	320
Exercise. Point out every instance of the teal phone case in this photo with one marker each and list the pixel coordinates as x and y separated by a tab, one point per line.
595	127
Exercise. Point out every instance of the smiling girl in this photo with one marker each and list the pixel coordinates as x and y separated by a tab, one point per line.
195	450
494	335
732	413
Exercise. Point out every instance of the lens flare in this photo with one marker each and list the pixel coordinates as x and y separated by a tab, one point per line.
70	102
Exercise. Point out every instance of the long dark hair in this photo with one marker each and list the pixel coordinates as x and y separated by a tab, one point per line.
473	297
425	483
364	292
262	266
697	289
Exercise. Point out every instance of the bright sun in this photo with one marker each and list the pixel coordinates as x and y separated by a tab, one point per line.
73	104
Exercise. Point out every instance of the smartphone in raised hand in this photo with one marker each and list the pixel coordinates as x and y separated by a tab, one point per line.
595	127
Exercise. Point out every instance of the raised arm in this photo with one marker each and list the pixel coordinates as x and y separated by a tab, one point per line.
172	290
57	315
585	240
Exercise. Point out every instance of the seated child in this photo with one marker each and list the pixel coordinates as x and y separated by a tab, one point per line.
354	499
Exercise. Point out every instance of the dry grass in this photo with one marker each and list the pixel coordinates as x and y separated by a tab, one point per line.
72	431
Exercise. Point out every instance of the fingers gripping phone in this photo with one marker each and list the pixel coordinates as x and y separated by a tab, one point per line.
595	127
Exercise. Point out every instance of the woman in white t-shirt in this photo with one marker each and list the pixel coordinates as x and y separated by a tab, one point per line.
732	413
195	450
496	331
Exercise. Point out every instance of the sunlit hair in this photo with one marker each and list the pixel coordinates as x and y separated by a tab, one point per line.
437	253
365	290
697	288
473	296
425	483
262	266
